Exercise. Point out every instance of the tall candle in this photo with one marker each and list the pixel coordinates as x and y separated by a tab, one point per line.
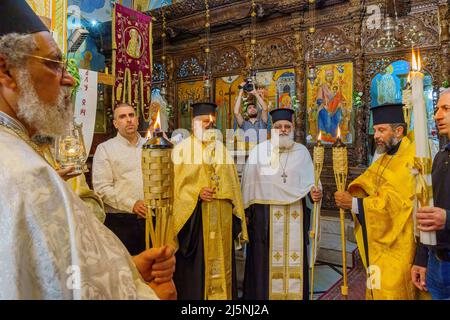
423	153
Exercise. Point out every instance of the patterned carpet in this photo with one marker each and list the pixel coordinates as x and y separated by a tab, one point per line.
356	284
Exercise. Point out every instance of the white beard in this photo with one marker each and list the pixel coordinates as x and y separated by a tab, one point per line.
283	142
47	119
198	132
204	135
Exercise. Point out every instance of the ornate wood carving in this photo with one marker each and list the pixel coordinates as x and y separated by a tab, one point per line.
420	31
275	53
227	60
189	67
331	43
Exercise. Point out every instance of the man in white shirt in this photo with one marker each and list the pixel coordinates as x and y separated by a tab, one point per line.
117	178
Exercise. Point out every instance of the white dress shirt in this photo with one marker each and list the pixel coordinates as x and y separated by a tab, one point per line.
117	175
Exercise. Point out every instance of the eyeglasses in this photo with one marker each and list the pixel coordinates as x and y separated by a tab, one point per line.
59	66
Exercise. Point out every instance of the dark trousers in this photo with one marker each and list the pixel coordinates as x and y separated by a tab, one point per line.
129	228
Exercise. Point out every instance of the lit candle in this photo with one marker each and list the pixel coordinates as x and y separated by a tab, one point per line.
340	168
420	115
423	154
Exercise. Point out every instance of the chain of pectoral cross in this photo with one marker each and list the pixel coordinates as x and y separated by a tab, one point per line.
284	175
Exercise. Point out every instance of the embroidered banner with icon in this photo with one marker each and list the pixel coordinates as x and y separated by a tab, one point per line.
86	105
132	59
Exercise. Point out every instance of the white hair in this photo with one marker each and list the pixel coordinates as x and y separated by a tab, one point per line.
46	119
14	47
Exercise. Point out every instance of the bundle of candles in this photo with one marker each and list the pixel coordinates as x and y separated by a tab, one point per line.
157	173
340	168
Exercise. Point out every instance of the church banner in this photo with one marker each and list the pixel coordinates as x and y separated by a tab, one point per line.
132	59
86	105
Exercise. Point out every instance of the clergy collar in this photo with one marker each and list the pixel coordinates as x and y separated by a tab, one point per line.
11	122
394	149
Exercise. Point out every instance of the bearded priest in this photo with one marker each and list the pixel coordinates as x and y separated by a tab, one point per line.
381	201
51	244
208	212
278	191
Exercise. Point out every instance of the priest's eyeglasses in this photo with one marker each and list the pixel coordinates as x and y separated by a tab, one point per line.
59	66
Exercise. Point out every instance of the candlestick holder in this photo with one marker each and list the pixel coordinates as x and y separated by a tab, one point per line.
318	158
157	173
340	168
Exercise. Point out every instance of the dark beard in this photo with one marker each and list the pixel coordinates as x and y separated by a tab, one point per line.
252	116
386	146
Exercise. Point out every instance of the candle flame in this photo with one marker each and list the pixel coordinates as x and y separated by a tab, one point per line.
339	132
319	137
416	63
409	77
211	119
157	122
419	62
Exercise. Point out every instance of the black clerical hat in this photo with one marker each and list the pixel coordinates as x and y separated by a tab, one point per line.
204	108
281	114
388	114
17	16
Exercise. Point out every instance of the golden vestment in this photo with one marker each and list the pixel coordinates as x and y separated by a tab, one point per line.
385	230
191	174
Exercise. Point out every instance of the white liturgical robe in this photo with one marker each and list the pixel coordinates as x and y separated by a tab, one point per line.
51	246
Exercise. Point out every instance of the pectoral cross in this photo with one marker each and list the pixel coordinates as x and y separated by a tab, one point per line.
215	179
284	176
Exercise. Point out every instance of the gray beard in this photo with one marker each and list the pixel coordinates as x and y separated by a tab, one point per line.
386	146
49	120
284	142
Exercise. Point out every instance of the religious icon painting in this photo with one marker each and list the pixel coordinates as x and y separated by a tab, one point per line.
329	103
279	87
226	93
188	93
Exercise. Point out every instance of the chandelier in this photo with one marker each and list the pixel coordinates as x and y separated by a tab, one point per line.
389	40
253	42
163	57
207	68
312	73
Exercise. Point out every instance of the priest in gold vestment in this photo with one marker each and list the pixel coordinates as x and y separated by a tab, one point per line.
208	213
381	200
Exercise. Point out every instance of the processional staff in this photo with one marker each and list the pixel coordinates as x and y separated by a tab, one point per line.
340	168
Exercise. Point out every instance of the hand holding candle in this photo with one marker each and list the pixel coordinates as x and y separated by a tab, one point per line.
423	155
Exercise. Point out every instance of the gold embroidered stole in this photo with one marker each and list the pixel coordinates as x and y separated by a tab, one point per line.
286	278
217	218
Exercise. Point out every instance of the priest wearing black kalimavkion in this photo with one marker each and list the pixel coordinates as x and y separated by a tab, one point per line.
278	191
381	200
208	212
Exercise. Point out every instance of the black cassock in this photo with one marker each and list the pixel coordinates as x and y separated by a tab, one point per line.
256	278
189	276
